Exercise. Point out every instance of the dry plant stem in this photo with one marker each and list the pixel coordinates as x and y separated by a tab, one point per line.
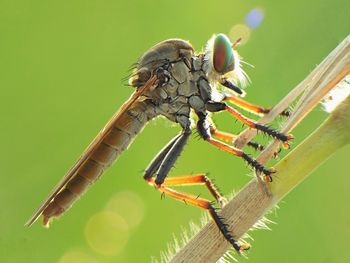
327	139
253	201
248	206
331	70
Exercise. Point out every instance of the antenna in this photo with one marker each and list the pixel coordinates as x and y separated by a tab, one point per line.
235	44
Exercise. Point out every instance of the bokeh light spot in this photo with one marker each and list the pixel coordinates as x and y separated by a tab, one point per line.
238	31
107	233
76	257
254	18
129	205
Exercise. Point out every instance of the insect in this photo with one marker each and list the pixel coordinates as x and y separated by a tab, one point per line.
170	80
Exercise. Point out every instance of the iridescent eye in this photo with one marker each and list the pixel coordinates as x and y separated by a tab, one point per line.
223	61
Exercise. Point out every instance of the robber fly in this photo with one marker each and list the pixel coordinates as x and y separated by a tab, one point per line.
170	80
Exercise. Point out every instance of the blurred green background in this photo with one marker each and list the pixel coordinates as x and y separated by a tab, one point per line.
61	70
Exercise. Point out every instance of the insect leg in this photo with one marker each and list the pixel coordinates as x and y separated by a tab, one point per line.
231	86
196	179
204	131
245	104
253	108
172	155
156	162
228	137
220	106
202	203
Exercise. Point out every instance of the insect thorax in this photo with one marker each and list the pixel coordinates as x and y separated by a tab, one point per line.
183	83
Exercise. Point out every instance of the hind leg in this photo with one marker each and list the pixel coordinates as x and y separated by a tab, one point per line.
198	179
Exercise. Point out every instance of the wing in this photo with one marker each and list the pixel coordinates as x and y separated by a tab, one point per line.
98	139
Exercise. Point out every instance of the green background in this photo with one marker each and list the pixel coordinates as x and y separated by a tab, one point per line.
61	65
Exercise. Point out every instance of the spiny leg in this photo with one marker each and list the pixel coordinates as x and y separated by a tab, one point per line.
199	202
228	137
204	131
197	179
220	106
245	104
156	162
186	180
237	152
171	157
166	158
253	108
174	148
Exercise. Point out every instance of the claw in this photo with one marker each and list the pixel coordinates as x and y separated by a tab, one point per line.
244	247
275	154
290	136
272	170
286	145
267	178
286	113
260	147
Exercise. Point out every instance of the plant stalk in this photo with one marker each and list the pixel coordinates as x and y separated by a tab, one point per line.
256	198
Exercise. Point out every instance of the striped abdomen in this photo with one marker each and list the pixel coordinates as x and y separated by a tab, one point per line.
115	140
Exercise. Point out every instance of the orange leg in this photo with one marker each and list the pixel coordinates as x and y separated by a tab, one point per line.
225	136
225	147
203	128
187	198
252	124
196	179
196	201
252	107
230	138
252	162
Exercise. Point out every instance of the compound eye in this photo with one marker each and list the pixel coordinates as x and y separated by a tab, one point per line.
222	54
